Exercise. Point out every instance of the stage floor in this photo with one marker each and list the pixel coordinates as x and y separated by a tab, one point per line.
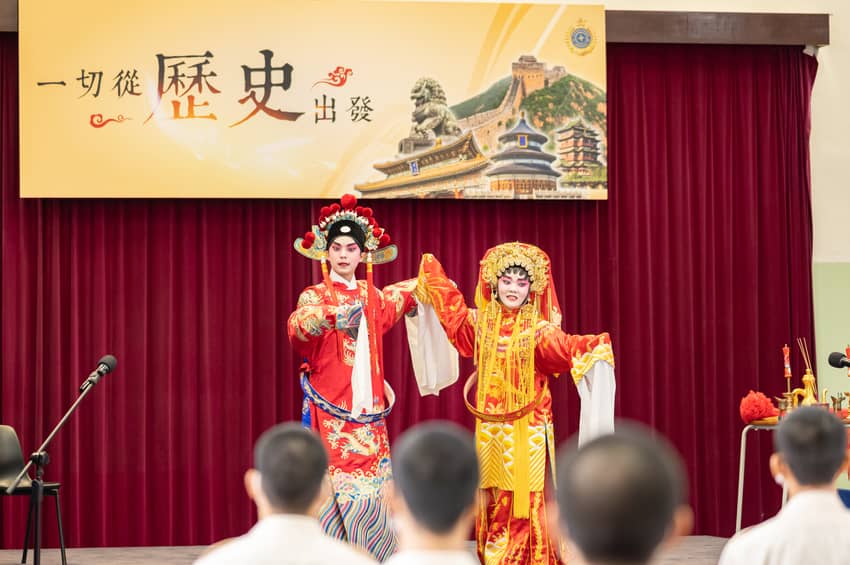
695	550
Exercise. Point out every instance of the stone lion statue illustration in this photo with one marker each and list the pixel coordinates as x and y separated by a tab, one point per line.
431	116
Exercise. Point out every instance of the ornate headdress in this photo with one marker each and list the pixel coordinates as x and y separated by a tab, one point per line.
535	262
347	215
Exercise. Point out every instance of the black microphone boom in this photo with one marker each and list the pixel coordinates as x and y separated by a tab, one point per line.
839	360
39	458
106	365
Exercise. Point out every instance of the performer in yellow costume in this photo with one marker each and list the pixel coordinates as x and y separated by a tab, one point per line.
515	339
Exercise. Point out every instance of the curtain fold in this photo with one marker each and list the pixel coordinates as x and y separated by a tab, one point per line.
699	265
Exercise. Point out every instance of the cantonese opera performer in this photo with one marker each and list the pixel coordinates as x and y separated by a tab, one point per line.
515	339
337	328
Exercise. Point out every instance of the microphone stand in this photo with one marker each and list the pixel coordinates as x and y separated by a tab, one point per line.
40	459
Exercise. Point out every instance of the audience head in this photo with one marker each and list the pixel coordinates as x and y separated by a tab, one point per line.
435	478
290	467
622	494
811	448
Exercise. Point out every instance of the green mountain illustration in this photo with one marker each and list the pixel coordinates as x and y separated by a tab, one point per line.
548	108
555	105
486	101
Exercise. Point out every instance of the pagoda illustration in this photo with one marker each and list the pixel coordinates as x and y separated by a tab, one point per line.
584	174
522	169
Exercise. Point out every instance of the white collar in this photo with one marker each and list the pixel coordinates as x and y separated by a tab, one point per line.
298	521
815	497
350	285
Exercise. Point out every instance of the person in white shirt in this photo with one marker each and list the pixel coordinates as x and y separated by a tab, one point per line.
434	495
621	496
814	526
288	484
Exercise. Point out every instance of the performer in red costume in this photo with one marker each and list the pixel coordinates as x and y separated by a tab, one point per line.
514	336
338	328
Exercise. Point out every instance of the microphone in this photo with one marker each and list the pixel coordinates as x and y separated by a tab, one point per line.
838	360
106	365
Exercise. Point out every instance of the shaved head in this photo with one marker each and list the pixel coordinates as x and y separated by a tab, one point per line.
618	493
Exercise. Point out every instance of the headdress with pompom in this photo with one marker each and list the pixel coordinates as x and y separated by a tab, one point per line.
314	243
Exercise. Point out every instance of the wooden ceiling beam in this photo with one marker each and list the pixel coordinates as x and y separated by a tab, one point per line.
723	28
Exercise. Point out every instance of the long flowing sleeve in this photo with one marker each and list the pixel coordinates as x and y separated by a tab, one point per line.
557	351
590	361
436	289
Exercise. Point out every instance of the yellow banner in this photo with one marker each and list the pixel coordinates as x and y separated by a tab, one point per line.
311	99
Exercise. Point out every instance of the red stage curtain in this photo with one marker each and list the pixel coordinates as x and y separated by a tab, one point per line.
699	266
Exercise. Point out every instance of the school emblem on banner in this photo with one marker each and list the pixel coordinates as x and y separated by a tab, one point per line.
581	38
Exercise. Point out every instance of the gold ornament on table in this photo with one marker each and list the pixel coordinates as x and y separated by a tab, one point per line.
806	396
783	404
789	400
824	395
837	402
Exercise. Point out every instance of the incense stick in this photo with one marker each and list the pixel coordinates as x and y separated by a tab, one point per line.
804	350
